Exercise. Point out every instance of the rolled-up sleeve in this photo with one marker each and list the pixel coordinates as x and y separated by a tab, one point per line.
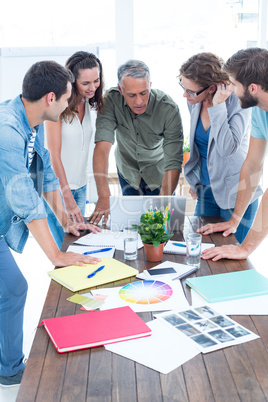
173	140
106	122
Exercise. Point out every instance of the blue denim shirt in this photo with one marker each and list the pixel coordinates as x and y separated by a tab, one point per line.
21	187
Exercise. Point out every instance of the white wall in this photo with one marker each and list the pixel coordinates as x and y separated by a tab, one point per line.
15	61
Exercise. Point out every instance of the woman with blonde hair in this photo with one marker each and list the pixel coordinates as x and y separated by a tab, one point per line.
219	136
69	140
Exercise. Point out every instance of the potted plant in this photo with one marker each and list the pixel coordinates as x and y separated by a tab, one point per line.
186	151
153	231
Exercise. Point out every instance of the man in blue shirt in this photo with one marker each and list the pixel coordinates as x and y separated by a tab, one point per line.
248	73
26	175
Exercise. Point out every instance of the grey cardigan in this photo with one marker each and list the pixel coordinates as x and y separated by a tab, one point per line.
227	150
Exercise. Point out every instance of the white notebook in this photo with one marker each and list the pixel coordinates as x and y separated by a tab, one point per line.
179	247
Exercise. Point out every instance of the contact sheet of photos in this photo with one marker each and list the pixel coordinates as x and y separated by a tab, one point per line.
208	329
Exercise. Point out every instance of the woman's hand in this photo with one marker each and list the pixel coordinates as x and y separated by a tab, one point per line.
223	92
72	210
193	194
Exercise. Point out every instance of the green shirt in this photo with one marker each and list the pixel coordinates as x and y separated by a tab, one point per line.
147	144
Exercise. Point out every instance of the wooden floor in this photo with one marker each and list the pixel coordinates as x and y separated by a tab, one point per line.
237	373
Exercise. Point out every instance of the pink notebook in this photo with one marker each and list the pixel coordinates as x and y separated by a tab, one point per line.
87	330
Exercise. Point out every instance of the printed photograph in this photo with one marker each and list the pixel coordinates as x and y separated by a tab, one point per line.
206	311
203	341
222	321
237	331
188	330
190	315
205	325
221	336
174	319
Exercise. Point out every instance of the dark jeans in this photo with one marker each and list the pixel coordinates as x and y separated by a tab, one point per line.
142	190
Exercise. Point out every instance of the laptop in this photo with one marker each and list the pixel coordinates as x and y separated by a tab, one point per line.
126	210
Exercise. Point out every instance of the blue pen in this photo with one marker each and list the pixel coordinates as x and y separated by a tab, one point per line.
179	244
101	250
94	272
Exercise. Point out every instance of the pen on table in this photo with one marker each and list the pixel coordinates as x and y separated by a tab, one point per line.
94	272
179	244
101	250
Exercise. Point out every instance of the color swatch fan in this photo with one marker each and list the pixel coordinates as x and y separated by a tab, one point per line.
146	292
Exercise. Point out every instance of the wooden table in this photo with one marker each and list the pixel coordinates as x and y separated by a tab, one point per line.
237	373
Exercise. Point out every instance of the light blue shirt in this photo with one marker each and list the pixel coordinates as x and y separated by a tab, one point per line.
259	123
21	186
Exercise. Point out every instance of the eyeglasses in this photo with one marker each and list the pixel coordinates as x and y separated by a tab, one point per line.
194	94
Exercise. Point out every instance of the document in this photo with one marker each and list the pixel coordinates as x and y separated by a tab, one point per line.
257	305
167	270
149	295
163	351
106	238
88	249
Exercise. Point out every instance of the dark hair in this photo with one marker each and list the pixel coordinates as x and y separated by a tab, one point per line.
204	69
82	61
133	68
44	77
249	66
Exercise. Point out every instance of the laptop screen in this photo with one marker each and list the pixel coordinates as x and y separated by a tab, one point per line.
126	210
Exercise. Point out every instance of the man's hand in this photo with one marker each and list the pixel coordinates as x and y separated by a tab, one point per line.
65	259
225	227
74	227
226	251
102	209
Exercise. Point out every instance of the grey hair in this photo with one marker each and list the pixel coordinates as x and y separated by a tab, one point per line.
133	68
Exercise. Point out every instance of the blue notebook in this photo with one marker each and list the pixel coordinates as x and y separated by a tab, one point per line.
229	286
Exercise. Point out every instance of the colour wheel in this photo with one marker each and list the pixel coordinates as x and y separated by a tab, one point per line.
146	292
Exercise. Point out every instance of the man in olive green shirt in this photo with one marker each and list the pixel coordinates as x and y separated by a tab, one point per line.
149	138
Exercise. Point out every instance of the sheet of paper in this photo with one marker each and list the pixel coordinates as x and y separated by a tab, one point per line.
163	351
152	295
84	249
171	248
106	238
207	328
181	269
257	305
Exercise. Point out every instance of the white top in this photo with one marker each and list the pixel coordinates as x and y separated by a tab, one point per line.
76	139
31	150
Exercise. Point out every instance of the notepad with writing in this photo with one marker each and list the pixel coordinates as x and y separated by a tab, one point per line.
75	277
179	247
88	330
230	286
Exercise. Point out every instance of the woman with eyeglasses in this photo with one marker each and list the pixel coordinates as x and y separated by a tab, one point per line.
219	135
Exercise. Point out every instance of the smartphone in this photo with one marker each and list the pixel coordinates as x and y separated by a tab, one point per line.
161	271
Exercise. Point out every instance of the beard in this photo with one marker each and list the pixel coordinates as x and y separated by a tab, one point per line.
248	100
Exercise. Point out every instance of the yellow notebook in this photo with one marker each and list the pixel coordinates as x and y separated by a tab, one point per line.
75	277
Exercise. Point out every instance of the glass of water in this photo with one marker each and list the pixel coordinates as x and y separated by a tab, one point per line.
130	243
193	249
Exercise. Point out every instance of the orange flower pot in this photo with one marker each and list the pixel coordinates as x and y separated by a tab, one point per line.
152	253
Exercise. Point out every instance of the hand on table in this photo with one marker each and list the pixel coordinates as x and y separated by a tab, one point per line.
102	209
225	227
227	251
74	227
70	258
